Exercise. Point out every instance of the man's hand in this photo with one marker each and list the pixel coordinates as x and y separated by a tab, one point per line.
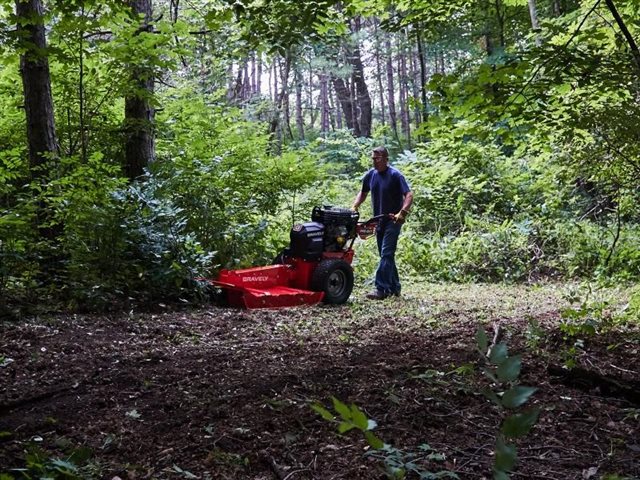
399	217
354	208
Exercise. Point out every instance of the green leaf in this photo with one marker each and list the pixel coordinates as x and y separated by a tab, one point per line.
324	413
516	396
360	420
506	456
341	408
64	466
498	353
500	475
481	340
373	440
491	395
519	424
509	370
344	427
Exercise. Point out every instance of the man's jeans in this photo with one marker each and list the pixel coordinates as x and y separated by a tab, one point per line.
387	279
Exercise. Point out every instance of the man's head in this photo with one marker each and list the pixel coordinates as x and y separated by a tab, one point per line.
380	157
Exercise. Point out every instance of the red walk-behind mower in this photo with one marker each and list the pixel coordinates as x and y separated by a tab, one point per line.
315	267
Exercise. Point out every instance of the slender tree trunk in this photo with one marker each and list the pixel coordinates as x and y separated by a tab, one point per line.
276	66
324	103
259	79
535	23
254	74
393	120
423	74
379	71
246	81
363	99
139	116
286	104
299	112
36	84
310	107
415	84
403	93
338	110
500	18
230	82
275	127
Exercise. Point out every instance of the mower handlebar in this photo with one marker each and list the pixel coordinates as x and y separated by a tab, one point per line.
367	228
374	219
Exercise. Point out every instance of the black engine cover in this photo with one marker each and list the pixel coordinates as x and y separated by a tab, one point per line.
307	240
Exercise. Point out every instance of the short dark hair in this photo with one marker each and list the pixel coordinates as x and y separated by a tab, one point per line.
382	151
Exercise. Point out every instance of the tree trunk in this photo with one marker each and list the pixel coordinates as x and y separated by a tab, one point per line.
337	109
286	110
324	103
259	79
299	113
535	24
363	99
138	113
275	127
403	94
415	84
346	102
36	84
500	18
377	55
423	74
393	120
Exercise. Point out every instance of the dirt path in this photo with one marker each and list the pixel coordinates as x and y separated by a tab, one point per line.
221	393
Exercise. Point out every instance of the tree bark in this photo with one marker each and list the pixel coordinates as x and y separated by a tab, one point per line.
275	126
423	74
377	55
393	120
363	99
299	113
139	115
415	84
403	94
36	84
324	103
259	79
535	23
346	102
337	109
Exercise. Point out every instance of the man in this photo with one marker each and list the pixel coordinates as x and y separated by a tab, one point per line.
390	196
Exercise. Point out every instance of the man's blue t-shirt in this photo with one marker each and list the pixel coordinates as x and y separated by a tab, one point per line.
387	189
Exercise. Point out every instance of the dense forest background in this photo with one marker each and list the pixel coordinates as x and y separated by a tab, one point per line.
144	144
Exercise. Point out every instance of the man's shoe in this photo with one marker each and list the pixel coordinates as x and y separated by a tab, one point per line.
377	295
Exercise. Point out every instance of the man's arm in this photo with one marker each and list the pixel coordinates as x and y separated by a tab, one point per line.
407	201
360	197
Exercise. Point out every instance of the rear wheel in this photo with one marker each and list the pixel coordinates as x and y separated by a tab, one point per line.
334	277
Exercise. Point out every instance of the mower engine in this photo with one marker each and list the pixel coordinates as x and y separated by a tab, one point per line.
330	230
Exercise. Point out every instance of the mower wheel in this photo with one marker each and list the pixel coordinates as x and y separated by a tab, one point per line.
334	277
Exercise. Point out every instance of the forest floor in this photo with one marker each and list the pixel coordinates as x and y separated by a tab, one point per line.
225	394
